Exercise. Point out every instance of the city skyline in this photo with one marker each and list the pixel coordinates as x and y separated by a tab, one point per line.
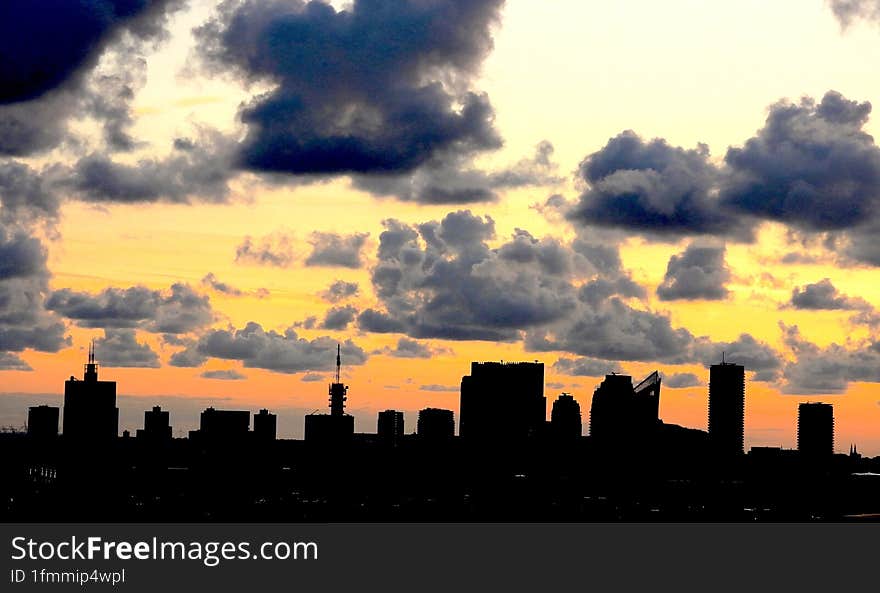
602	188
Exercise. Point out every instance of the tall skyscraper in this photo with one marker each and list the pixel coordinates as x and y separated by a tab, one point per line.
224	426
815	434
90	412
727	397
389	426
502	402
565	417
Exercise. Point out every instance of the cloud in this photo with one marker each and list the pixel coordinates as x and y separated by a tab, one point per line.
823	295
745	350
699	272
339	291
199	169
441	280
24	284
176	311
407	348
454	179
279	352
848	11
211	281
272	250
376	88
47	54
812	166
338	318
12	362
441	388
585	367
331	249
682	380
224	375
828	370
120	348
654	189
311	378
26	194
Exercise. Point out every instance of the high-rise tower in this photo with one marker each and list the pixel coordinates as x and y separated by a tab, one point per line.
727	397
815	434
337	427
338	391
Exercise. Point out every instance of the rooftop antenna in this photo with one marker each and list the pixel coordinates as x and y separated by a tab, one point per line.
91	373
722	357
338	362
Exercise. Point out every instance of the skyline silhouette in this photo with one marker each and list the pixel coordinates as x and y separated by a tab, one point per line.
511	463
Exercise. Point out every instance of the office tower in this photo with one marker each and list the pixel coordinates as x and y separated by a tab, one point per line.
620	412
390	426
337	426
265	426
815	433
157	425
224	426
90	412
42	422
727	392
435	424
502	402
565	417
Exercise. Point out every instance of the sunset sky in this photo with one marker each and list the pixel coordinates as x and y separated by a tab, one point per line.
220	192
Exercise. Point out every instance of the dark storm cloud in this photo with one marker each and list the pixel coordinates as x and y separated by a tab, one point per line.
823	295
828	370
272	250
120	348
699	272
282	353
441	280
380	87
339	291
179	310
653	188
332	249
339	317
47	51
585	367
201	171
812	166
682	380
223	375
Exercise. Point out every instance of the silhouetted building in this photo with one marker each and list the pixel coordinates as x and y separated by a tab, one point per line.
727	396
815	434
622	413
336	427
502	402
224	425
435	424
90	411
265	426
389	426
42	422
157	425
565	417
